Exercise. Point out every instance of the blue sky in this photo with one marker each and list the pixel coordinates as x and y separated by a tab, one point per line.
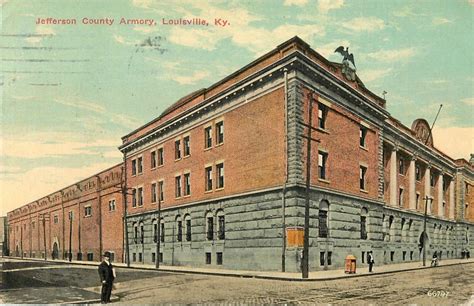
69	92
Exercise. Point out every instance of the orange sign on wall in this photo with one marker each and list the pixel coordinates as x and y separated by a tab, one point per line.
294	236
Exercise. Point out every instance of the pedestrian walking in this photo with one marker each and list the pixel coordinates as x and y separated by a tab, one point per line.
107	276
434	260
370	260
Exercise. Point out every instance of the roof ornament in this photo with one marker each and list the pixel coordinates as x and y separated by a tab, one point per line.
348	72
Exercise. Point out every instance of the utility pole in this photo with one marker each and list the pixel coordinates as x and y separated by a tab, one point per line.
158	226
124	194
21	239
424	228
70	236
44	236
309	139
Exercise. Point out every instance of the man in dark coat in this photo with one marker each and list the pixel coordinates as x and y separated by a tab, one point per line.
107	276
370	260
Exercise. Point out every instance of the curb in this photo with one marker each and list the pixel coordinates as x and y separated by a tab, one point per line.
236	275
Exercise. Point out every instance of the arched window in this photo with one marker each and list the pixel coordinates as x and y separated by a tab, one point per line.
403	229
142	232
220	225
363	223
390	228
135	232
323	219
179	228
155	230
209	226
162	230
187	226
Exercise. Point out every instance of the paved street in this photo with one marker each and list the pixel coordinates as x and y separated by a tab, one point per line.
60	283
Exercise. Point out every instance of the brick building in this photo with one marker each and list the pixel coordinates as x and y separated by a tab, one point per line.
89	211
3	236
228	163
227	166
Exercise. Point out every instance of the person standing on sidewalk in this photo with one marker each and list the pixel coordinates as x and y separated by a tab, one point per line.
370	260
107	276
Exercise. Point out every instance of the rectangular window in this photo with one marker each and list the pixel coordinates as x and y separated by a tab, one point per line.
322	259
208	172
140	257
400	197
363	257
392	255
404	255
56	219
363	229
134	167
153	159
432	180
79	256
134	256
329	258
207	137
187	146
210	228
417	203
160	157
90	256
153	257
220	132
323	223
112	205
155	232
177	181
187	184
188	230
411	255
153	193
177	149
161	190
401	166
140	196
219	258
322	115
161	257
362	172
362	136
140	165
179	236
33	224
220	175
87	211
208	258
134	197
322	160
417	173
221	232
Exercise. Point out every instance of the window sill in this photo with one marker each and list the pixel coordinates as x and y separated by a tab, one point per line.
177	159
154	168
324	181
364	148
219	145
207	149
208	191
160	166
220	189
325	131
153	203
364	190
187	196
186	156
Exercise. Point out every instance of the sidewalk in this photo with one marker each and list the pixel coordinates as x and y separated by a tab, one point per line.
275	275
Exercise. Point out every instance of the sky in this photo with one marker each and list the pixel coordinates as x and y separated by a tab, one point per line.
70	92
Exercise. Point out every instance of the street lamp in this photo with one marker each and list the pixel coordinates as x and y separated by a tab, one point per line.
424	235
70	235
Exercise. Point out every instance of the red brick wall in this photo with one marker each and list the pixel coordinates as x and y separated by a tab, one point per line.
253	154
341	141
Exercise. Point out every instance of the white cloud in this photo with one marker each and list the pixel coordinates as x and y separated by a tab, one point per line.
295	2
364	24
406	12
372	75
42	31
326	5
441	20
42	181
468	101
89	106
457	142
392	55
191	79
22	98
122	40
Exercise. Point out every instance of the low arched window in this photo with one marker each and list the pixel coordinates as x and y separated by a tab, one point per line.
220	225
209	226
323	219
187	226
363	223
179	228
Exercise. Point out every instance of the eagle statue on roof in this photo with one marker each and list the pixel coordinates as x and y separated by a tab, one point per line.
347	56
347	71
